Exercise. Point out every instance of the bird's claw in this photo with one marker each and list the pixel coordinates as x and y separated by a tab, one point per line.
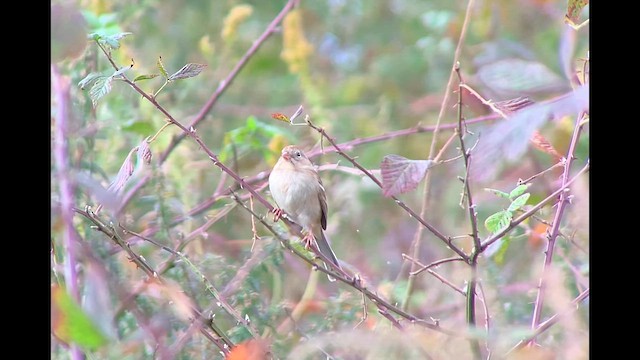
277	214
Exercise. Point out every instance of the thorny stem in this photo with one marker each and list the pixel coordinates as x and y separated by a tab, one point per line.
432	150
427	268
111	232
435	231
533	210
353	282
222	87
473	218
553	234
60	149
552	320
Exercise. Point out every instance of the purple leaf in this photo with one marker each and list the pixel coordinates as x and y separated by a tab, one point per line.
400	175
509	139
509	77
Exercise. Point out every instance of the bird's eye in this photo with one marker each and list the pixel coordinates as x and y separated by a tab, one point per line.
298	153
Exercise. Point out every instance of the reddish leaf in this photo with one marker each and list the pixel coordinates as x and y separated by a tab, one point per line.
400	175
512	105
125	172
541	143
280	116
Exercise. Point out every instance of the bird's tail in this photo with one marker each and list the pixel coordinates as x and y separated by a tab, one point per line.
325	249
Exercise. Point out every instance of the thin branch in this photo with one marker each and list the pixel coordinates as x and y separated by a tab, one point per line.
353	282
208	285
222	87
473	218
110	232
431	228
553	234
529	179
65	187
365	315
575	304
417	238
433	264
435	274
533	210
487	318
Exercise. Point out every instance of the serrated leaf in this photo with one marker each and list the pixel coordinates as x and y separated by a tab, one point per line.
508	140
145	77
70	323
498	221
541	143
519	202
160	65
400	175
88	80
121	71
512	105
511	76
187	71
519	190
125	172
502	194
100	88
113	41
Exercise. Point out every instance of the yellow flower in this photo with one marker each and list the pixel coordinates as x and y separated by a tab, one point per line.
296	49
237	15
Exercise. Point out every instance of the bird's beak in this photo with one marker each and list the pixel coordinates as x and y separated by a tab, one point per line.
286	156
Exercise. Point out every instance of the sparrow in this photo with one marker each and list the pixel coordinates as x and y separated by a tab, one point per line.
297	190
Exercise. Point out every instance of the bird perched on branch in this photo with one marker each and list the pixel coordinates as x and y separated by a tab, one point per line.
297	190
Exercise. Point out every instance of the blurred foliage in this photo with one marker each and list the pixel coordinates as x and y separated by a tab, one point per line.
360	69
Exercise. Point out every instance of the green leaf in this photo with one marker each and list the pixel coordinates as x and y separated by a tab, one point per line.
498	221
160	65
88	80
71	324
100	88
187	71
498	192
145	77
519	202
519	190
113	41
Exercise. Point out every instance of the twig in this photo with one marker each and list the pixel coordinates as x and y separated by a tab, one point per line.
433	264
353	282
65	187
364	312
111	233
417	238
529	179
435	231
495	237
222	87
551	321
553	234
208	285
487	318
435	274
473	218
